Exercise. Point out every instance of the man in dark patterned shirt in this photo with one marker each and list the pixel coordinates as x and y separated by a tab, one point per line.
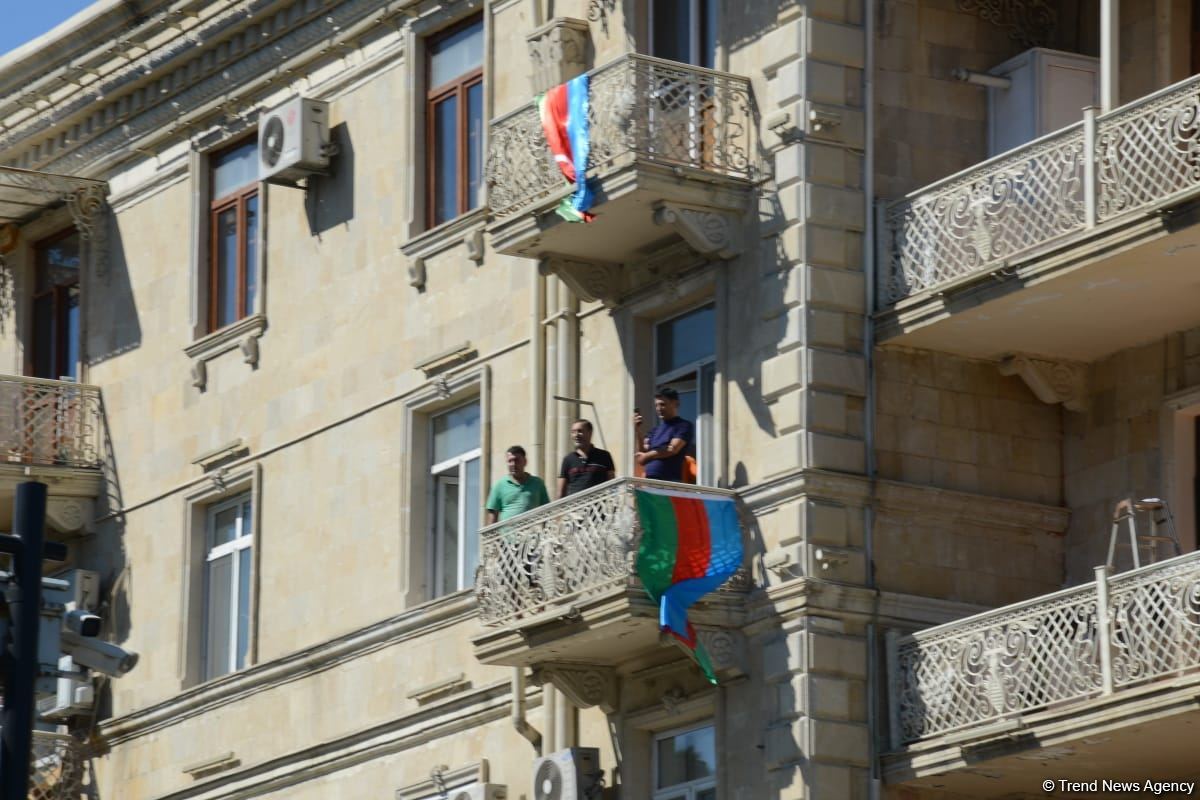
586	466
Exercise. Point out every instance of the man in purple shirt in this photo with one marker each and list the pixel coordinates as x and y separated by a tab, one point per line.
661	453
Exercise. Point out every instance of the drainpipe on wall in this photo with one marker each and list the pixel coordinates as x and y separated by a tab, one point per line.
518	711
1110	54
537	373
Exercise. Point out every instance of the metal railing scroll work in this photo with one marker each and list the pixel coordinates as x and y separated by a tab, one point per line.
639	108
1083	642
50	423
582	545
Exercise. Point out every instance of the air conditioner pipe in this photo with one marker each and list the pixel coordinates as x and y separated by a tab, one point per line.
981	78
518	710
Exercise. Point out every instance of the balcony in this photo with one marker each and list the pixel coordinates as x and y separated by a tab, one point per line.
59	768
52	431
672	151
559	583
1075	245
1096	681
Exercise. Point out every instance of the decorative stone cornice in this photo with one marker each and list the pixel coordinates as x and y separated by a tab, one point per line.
1051	381
1030	22
584	686
713	233
589	280
558	51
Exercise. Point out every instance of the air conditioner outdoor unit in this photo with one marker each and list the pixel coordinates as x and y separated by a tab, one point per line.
293	141
480	791
571	774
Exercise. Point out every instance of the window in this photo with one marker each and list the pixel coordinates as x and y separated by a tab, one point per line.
456	498
54	350
454	120
685	765
684	30
685	358
233	273
227	567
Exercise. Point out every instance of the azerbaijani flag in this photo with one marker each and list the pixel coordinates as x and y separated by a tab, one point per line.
564	113
690	546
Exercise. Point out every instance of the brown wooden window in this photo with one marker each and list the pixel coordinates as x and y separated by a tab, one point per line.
454	121
233	230
54	350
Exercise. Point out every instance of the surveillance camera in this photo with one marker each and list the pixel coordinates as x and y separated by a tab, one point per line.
97	654
82	622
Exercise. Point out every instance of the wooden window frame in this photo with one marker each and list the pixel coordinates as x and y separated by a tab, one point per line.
457	88
236	199
58	292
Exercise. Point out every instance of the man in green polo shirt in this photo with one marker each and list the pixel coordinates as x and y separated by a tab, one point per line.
516	492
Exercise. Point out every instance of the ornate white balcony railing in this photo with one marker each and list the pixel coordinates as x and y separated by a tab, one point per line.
581	545
1082	642
49	422
646	108
58	768
1009	208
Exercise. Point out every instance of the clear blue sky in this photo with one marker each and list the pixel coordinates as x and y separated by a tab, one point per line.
22	20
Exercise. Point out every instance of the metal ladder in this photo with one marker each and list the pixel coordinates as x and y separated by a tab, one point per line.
1160	520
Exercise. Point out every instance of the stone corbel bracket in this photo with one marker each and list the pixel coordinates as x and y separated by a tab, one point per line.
589	280
88	206
69	514
727	651
1051	381
584	686
713	233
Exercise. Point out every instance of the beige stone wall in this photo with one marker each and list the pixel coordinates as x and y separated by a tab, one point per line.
959	424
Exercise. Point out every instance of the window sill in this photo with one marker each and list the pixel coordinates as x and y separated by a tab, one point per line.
243	335
466	228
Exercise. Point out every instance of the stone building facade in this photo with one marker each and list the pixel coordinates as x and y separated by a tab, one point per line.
927	375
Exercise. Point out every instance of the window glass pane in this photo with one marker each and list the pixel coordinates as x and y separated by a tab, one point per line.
234	169
447	509
687	757
474	143
246	529
70	331
455	432
445	160
456	54
471	535
251	255
672	764
704	425
708	33
57	262
226	267
672	30
217	616
687	339
243	608
43	337
225	526
707	794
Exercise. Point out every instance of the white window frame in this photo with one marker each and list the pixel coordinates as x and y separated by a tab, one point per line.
232	549
690	788
458	466
705	430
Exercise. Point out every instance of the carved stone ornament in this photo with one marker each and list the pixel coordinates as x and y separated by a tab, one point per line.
199	373
249	348
558	51
68	514
474	242
1051	381
584	686
416	273
726	649
589	280
1030	22
717	234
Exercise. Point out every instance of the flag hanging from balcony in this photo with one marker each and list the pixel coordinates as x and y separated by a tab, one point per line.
690	546
564	113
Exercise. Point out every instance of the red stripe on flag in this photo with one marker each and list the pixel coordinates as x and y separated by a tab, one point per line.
554	124
694	547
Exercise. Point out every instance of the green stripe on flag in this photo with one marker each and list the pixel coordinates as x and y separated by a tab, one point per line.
656	555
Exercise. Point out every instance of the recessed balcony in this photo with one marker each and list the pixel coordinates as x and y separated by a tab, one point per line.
52	431
672	152
1074	246
559	584
1097	681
